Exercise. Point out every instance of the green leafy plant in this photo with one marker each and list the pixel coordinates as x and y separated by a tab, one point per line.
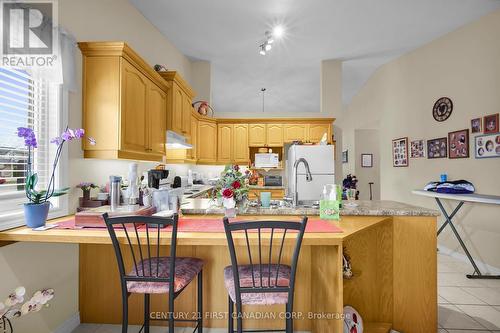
233	184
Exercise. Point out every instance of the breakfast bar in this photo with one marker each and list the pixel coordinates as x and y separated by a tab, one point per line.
391	246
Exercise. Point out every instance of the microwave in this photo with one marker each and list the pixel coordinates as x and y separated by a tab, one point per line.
267	160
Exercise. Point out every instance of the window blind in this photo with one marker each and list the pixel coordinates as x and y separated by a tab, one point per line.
24	102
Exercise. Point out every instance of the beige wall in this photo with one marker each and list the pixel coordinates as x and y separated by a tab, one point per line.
367	142
49	265
397	100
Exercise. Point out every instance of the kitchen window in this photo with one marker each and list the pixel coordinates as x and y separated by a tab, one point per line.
31	102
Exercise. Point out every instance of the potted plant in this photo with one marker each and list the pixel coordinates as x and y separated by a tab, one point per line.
232	189
37	209
86	187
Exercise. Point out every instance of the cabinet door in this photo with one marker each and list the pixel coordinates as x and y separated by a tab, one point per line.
207	142
192	153
224	143
186	114
241	153
316	131
292	132
178	100
157	116
134	136
257	135
274	135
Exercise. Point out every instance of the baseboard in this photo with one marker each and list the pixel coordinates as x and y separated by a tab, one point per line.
69	324
483	267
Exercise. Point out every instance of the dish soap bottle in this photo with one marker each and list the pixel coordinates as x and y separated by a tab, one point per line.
329	205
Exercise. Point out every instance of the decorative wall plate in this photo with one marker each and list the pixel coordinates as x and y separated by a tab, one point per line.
442	109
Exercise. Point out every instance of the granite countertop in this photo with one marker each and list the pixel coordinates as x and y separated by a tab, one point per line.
364	208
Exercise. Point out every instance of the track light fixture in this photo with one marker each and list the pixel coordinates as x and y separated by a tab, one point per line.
270	37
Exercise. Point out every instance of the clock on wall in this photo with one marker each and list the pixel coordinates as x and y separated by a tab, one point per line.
442	109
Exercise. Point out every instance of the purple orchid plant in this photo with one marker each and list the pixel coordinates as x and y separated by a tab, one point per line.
42	196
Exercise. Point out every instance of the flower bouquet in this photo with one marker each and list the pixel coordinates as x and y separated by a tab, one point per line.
232	189
37	209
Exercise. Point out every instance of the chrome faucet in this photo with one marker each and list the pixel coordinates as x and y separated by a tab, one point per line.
295	199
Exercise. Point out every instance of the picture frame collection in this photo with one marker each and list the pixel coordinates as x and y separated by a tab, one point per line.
455	145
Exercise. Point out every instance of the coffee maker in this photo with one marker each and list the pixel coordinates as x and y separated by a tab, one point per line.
155	176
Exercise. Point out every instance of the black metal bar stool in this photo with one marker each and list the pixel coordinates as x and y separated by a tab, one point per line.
262	283
152	274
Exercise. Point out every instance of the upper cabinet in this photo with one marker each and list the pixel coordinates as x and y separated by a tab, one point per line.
224	143
124	103
179	108
295	132
207	141
257	135
241	154
274	135
315	132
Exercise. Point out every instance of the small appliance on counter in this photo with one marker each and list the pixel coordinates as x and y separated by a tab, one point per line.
273	180
155	177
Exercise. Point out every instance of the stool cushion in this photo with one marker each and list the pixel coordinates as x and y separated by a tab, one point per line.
245	272
186	270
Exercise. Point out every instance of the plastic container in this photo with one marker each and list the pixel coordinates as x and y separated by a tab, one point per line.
329	205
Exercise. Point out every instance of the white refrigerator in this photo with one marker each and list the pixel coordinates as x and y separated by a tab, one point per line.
321	164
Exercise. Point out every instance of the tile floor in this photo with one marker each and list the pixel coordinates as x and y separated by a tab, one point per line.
465	306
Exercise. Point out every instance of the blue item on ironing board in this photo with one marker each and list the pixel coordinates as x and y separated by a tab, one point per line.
454	187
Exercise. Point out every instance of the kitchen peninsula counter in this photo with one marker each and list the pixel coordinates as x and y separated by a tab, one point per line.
363	208
392	248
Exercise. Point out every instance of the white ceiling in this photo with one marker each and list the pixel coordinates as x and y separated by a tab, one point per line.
364	33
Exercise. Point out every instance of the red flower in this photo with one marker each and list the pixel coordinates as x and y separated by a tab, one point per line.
227	193
236	185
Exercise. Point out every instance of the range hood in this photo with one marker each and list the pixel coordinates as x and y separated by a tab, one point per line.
176	141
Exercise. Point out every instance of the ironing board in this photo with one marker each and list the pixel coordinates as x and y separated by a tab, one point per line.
461	198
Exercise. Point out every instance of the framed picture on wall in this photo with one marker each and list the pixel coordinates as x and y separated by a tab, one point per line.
491	124
475	125
417	148
437	148
487	146
345	156
400	152
366	160
458	144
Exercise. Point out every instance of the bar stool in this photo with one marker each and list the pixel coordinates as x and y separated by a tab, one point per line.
151	273
262	283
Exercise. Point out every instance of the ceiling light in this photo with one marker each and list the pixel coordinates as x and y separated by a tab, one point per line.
268	47
262	50
269	37
278	31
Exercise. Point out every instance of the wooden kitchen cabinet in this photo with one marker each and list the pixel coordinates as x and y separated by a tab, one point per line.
207	142
179	106
157	107
124	103
224	143
257	135
192	153
241	154
274	136
293	132
315	132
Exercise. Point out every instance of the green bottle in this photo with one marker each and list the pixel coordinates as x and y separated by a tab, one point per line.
329	205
